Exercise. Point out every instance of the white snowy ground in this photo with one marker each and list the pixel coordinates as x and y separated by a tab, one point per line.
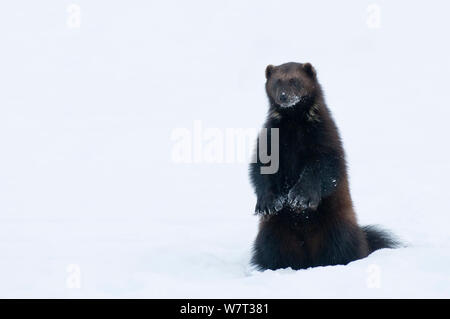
90	196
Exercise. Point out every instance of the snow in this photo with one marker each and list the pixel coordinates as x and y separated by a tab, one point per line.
93	205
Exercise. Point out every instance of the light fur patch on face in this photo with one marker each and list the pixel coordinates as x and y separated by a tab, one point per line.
294	100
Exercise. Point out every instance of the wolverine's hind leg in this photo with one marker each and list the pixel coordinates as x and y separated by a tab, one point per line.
343	244
277	245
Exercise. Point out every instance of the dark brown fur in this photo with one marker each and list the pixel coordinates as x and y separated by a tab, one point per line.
307	216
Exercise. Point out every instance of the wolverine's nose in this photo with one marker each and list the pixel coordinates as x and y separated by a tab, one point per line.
283	97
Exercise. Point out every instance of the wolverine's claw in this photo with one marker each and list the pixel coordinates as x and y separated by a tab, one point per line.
269	205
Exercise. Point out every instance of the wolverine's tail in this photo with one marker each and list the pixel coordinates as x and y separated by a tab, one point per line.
378	238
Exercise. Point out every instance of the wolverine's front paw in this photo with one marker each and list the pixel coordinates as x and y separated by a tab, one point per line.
269	204
304	199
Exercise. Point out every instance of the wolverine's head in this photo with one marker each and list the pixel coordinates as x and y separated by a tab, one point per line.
291	84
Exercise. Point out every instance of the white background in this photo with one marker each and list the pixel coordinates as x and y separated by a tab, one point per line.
86	117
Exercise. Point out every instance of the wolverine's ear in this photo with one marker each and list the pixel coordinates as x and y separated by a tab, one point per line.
309	69
269	71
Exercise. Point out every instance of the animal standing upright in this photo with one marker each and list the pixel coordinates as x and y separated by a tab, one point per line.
306	212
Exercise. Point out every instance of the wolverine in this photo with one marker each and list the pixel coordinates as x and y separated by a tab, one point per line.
305	208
